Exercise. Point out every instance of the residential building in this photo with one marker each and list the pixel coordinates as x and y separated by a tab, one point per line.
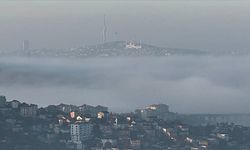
28	110
2	101
80	131
14	104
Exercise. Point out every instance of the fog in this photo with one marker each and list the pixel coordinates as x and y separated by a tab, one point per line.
189	84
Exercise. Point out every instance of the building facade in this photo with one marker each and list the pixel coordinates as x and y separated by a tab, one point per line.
80	131
2	101
28	110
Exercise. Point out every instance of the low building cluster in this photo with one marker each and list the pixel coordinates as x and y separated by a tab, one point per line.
68	127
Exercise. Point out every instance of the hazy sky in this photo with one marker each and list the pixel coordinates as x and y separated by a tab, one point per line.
208	25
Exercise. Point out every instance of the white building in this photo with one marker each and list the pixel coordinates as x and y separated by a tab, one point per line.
160	111
132	45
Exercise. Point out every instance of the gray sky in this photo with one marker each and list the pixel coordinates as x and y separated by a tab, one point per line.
208	25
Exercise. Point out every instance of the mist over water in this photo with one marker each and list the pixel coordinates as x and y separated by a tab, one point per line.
189	84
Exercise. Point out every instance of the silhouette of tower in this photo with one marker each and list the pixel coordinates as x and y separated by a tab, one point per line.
104	33
26	45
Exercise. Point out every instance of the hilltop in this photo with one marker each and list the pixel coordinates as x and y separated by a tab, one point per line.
109	49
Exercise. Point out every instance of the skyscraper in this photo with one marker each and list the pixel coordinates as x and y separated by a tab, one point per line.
26	45
104	33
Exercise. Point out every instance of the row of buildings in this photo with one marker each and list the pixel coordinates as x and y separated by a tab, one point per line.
69	127
161	111
25	110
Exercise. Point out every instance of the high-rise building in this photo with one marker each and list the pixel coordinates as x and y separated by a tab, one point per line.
26	45
80	131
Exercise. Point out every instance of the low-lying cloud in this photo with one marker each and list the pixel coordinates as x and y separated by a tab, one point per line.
189	84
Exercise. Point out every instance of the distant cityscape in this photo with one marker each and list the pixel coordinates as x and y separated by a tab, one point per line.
107	49
112	48
68	127
128	48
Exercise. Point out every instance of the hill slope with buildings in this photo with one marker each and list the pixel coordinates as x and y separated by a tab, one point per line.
109	49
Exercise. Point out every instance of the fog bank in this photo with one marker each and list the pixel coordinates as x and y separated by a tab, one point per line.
189	84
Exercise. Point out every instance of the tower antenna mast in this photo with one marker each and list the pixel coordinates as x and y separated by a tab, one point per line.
104	34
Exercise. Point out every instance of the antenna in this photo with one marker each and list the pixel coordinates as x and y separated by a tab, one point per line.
104	34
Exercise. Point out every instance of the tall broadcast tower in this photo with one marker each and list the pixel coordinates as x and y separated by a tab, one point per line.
26	45
104	33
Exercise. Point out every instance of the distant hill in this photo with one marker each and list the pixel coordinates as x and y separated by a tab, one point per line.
119	49
109	49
